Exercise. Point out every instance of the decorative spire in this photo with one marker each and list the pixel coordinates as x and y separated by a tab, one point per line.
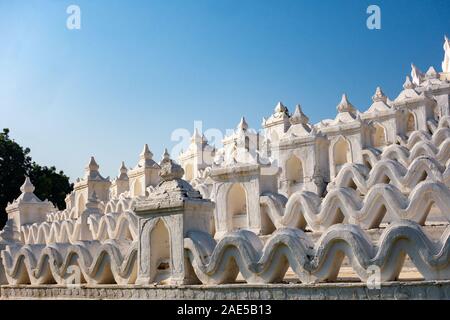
123	168
345	105
379	96
27	196
408	84
123	172
92	166
166	155
416	75
431	73
146	154
171	192
169	169
446	61
242	126
298	116
91	172
27	186
145	157
196	137
281	108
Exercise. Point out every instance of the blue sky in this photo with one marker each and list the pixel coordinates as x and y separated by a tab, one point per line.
137	70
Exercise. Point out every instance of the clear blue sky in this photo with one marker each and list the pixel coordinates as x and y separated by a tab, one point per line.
137	70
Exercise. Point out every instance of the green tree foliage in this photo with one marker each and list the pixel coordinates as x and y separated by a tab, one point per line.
50	184
15	164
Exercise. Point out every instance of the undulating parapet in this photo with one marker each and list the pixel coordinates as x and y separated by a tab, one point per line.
293	202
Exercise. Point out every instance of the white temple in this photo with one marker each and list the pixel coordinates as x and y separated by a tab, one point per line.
300	201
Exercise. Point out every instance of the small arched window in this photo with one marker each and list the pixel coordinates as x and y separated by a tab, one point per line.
294	170
237	206
341	154
379	136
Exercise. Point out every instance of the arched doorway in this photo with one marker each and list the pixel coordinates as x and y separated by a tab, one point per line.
294	170
379	136
341	154
160	266
237	206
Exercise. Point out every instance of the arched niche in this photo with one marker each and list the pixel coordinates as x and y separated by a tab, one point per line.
411	122
160	253
341	154
160	263
294	170
237	206
379	136
137	188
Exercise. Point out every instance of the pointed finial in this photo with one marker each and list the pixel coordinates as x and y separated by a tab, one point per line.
280	108
242	125
345	105
416	74
146	154
123	172
414	68
169	169
123	168
196	136
298	116
379	96
263	121
27	186
92	165
431	73
446	61
166	155
408	83
446	43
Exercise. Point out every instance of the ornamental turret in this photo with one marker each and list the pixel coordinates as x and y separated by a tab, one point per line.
145	174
